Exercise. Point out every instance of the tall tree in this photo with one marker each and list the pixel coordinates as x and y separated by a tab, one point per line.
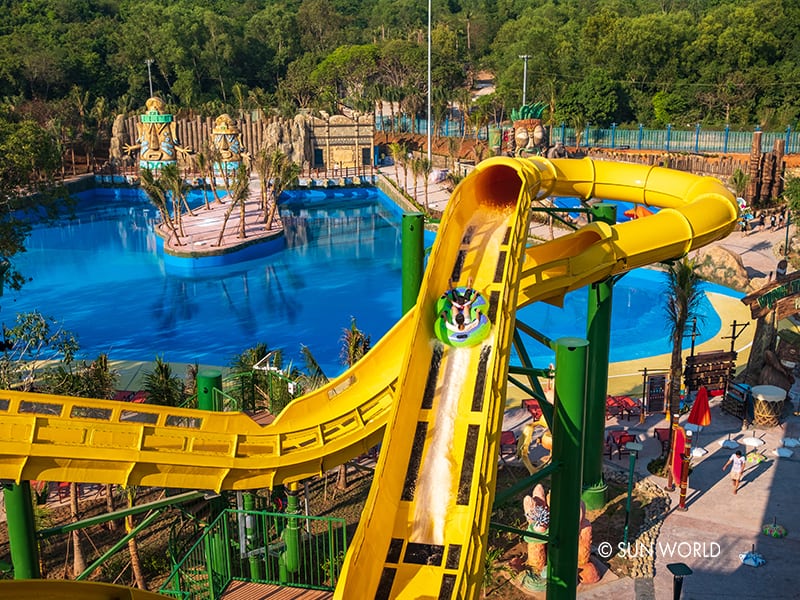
683	297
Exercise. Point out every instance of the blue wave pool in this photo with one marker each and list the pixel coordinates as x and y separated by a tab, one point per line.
101	273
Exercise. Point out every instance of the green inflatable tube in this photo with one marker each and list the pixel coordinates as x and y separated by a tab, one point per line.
461	319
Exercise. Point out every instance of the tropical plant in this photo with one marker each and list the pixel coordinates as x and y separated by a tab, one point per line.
284	176
397	151
157	194
425	167
162	386
173	182
133	547
32	342
238	191
739	180
355	344
683	295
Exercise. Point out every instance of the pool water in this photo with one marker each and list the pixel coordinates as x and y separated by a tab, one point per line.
101	274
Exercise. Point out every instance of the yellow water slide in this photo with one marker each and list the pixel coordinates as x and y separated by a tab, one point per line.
424	528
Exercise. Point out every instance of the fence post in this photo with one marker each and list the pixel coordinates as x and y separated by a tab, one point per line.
641	132
727	135
669	134
613	135
563	132
788	139
697	138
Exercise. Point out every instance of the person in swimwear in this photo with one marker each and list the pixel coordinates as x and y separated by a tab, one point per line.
461	311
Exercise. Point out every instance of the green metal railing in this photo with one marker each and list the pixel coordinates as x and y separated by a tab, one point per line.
261	547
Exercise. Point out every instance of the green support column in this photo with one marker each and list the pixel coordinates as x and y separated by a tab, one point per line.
413	257
251	533
207	381
217	543
565	491
289	563
598	332
22	530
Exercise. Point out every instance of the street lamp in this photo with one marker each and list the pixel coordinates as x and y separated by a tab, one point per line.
525	58
786	243
149	62
428	122
633	449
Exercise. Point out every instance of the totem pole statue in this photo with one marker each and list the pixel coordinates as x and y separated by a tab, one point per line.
226	139
530	136
156	140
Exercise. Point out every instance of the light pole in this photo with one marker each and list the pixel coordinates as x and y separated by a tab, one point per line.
786	243
428	122
633	449
525	58
149	62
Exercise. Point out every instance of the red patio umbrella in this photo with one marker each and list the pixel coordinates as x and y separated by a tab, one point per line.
700	416
638	212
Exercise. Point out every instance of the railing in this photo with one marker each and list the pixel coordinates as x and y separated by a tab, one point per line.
672	139
261	547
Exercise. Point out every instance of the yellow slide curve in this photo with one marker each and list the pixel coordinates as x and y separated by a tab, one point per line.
423	530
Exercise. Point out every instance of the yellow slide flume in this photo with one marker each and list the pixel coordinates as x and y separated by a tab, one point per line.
443	405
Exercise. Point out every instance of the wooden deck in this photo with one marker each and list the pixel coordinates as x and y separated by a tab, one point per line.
240	590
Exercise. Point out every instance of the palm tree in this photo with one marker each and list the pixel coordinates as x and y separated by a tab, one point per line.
416	170
173	181
157	194
683	295
355	344
284	175
262	163
453	149
425	167
238	191
396	151
162	386
201	160
133	548
78	560
739	181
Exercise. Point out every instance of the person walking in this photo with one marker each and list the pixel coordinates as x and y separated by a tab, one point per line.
737	461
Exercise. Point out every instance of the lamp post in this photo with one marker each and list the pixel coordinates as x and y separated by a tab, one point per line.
525	58
633	449
149	62
786	243
428	122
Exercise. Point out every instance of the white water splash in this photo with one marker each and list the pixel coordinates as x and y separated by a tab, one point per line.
435	487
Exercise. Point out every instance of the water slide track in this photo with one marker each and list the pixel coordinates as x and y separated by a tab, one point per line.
436	409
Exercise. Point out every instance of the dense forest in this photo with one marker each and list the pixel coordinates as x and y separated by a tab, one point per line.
72	64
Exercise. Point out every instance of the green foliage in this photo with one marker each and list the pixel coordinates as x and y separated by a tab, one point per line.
683	297
681	63
355	344
162	386
791	192
87	380
33	341
739	181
